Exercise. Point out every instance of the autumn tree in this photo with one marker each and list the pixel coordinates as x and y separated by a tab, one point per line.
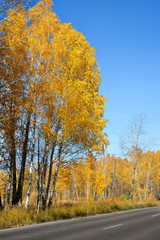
6	5
52	77
148	175
132	145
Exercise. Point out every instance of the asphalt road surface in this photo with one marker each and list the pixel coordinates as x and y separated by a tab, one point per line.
141	224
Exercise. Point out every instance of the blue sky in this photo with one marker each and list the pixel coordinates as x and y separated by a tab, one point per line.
126	35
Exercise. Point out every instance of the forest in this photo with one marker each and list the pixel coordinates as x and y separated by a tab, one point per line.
52	138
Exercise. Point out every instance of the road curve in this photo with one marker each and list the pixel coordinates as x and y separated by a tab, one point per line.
139	224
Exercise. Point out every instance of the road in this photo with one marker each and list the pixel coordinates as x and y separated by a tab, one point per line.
141	224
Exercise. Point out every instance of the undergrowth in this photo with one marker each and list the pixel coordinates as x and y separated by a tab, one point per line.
16	216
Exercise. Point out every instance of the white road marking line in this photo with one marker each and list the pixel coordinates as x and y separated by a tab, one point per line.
155	215
113	226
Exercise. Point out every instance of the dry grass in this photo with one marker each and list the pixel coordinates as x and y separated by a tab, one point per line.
19	217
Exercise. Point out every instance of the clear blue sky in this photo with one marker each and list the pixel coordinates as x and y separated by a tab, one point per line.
126	35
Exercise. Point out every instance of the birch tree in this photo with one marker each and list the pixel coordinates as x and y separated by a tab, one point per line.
132	145
50	87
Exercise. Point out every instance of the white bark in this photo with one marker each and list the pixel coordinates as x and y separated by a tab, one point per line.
31	166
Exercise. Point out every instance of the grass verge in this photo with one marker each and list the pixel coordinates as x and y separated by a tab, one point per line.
15	217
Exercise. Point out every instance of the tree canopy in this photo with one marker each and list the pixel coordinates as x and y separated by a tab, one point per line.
50	103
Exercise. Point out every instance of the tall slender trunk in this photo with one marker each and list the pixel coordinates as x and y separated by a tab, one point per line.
49	178
55	177
14	181
148	181
31	164
18	195
10	180
113	186
12	175
134	170
50	169
75	183
133	181
88	186
38	181
13	151
44	173
4	197
9	184
29	185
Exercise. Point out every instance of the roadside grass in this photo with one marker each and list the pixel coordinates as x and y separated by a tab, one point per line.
16	216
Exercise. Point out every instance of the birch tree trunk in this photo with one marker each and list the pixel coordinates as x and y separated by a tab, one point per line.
13	151
18	195
50	169
38	181
9	184
49	178
31	164
133	181
43	182
75	185
55	177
